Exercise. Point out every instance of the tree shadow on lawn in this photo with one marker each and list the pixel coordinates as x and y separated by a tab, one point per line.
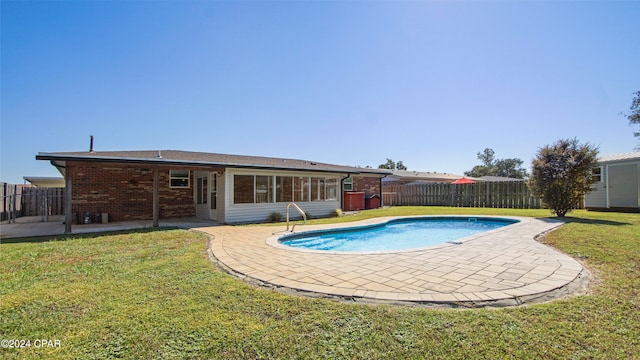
92	235
571	219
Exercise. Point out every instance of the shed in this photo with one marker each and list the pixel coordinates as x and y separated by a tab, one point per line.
618	185
372	201
353	200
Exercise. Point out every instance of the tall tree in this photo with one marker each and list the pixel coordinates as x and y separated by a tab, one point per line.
391	165
511	168
501	167
561	174
487	156
634	115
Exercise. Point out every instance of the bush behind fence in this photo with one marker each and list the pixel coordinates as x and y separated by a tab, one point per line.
491	194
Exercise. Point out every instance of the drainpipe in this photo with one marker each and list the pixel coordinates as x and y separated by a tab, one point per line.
342	191
381	192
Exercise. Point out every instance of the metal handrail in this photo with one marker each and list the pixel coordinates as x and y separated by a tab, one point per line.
304	216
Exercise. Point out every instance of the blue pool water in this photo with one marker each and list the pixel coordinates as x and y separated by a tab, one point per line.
397	234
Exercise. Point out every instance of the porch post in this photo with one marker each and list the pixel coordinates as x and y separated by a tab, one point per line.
156	198
68	214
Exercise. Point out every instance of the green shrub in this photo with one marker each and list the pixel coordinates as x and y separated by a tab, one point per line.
274	217
562	173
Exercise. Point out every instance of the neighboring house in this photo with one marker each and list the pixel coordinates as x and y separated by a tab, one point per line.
144	185
497	178
405	177
618	186
45	182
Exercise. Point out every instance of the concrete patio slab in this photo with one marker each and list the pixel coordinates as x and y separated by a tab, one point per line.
501	267
33	226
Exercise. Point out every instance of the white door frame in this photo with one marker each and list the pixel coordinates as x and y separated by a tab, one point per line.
213	195
201	194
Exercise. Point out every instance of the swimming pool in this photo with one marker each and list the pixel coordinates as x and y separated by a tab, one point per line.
397	234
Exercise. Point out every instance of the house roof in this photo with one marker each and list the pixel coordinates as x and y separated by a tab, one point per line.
41	181
497	178
191	158
405	175
620	157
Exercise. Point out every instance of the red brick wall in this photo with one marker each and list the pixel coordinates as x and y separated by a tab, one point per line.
125	192
175	203
367	184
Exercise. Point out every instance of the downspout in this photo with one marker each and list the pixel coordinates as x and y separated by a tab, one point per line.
342	191
382	192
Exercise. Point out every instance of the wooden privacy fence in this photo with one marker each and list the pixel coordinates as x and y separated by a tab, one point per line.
20	200
492	194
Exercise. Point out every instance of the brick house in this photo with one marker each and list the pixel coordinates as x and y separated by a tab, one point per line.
153	185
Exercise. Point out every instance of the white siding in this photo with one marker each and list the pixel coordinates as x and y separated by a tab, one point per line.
598	197
240	213
623	185
628	195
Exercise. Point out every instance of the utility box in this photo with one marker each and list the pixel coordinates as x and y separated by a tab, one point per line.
353	200
105	218
372	201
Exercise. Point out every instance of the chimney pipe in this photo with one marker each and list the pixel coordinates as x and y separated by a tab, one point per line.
91	144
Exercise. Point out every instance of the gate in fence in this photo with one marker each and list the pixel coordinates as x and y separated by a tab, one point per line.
20	200
491	194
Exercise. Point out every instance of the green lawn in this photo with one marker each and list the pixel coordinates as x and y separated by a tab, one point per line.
154	294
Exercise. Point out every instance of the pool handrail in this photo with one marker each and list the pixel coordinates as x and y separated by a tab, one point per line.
304	216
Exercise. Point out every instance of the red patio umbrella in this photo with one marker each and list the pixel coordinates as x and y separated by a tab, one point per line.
463	180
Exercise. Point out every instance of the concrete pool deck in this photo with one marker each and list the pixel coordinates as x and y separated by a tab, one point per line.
501	267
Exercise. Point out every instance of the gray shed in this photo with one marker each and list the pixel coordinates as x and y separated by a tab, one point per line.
618	187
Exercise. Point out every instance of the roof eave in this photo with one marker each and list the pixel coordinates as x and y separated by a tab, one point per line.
161	161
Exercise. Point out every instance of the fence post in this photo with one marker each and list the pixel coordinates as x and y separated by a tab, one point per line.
14	203
4	201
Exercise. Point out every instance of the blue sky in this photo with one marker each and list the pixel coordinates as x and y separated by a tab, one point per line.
351	83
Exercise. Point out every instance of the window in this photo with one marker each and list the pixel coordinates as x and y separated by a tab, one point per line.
596	174
332	189
260	189
301	189
243	189
284	189
264	189
348	183
317	189
179	178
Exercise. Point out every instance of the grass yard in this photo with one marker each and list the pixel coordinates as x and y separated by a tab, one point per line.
155	295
